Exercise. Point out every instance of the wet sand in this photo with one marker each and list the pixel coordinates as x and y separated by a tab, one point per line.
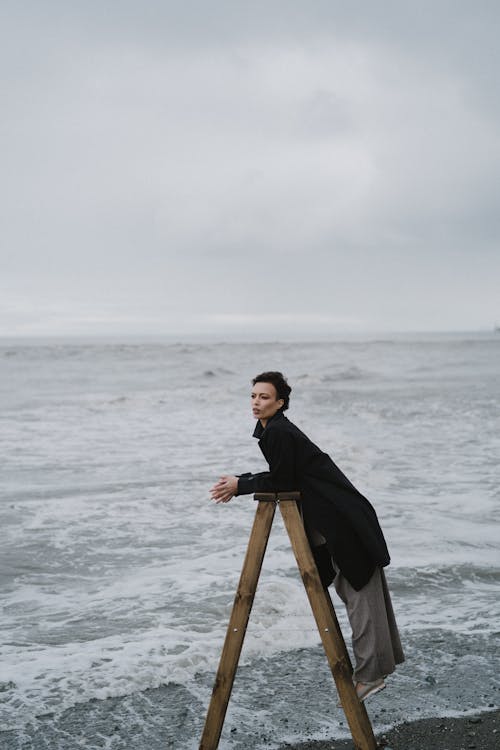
289	702
478	732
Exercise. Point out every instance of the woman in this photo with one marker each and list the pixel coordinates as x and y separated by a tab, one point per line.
342	527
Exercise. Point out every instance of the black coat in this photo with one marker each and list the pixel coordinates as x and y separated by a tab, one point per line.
330	503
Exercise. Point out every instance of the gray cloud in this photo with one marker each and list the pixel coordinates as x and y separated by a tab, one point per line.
179	167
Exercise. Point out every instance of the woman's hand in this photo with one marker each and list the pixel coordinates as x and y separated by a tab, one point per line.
225	489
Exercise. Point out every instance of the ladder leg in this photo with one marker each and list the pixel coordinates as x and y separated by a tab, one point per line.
237	625
329	630
340	640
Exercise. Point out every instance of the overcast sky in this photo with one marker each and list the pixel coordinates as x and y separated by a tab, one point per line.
187	167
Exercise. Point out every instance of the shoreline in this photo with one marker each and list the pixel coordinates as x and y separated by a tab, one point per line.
480	731
445	697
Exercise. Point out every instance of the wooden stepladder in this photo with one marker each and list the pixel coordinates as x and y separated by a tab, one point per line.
324	614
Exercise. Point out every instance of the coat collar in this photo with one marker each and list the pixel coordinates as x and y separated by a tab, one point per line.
259	430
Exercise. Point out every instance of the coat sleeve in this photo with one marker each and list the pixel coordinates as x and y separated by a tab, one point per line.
278	446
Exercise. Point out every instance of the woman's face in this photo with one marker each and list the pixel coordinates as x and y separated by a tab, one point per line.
265	401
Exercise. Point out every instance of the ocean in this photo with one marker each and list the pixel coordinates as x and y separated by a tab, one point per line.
118	573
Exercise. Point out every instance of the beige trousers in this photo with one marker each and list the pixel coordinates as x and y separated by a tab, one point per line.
375	637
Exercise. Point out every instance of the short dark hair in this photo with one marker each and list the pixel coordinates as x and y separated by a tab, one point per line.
277	379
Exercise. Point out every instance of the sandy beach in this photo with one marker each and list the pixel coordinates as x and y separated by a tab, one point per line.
478	732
